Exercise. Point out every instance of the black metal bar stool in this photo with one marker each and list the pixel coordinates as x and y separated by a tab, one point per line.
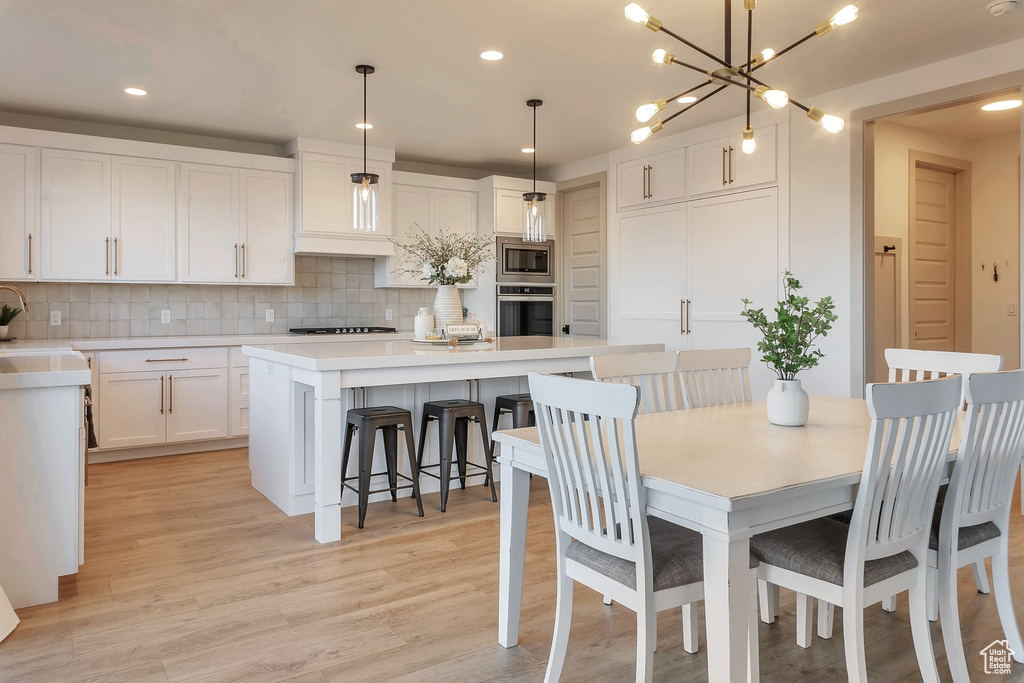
367	421
521	408
453	418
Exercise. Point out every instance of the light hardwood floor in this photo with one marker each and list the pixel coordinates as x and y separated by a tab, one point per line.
191	574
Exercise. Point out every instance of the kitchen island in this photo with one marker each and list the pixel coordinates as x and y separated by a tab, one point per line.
299	394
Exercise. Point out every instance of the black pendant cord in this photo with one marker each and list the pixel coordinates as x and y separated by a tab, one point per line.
535	150
364	122
750	38
728	32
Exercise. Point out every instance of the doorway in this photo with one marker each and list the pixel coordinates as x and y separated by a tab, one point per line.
583	267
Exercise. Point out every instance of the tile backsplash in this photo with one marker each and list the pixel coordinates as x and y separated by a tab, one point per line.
328	291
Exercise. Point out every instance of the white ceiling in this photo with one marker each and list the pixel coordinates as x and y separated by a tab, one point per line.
967	121
271	70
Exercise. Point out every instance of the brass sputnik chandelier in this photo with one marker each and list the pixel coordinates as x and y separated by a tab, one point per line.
726	74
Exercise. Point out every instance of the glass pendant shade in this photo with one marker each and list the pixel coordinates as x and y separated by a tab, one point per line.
534	223
365	213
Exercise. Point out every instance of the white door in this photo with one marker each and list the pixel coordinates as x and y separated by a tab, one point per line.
19	243
75	220
707	167
414	211
197	404
666	176
266	228
208	224
134	406
652	276
582	275
455	210
932	261
753	169
734	247
631	183
142	215
508	212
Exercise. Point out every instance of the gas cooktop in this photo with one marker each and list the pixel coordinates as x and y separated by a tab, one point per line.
341	330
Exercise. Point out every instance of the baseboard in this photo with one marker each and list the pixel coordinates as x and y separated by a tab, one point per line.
116	455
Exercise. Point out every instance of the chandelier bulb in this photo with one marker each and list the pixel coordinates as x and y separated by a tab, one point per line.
833	124
749	145
636	13
767	54
645	112
641	134
844	16
662	56
776	99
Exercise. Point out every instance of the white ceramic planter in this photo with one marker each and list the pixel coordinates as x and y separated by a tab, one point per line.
447	306
788	404
423	323
4	331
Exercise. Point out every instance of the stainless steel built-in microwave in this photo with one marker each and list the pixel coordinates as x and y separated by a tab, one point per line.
525	262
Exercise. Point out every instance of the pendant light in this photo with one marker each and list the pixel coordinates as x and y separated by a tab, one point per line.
365	216
533	224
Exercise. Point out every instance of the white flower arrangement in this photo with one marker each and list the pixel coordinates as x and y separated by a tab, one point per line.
448	258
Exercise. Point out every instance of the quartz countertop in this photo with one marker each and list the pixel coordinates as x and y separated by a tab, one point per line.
20	346
397	353
43	370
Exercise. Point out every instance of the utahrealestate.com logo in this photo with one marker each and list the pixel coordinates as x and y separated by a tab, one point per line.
998	657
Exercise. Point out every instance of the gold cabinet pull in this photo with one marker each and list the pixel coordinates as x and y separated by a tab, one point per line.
108	256
166	360
243	260
724	153
115	257
730	164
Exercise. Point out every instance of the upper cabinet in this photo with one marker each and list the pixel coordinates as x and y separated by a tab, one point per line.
142	219
720	165
653	180
75	227
19	241
502	208
325	212
266	209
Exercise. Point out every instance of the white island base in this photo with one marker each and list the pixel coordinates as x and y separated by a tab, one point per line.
299	395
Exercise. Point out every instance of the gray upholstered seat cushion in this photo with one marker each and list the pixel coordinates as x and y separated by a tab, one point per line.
676	553
969	535
818	549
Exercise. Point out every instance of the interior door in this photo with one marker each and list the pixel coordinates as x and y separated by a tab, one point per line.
142	214
932	261
208	215
19	245
75	219
197	404
582	276
134	407
265	198
631	183
734	247
888	252
652	276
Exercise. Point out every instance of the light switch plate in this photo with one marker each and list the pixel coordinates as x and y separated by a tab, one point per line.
387	314
55	318
165	316
1011	308
270	315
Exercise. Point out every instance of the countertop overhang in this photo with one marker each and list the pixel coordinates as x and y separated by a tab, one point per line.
43	370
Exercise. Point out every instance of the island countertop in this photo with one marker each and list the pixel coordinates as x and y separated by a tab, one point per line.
43	370
378	354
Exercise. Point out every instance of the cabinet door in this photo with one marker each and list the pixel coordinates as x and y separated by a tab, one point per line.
133	409
208	219
631	183
239	395
414	212
75	221
142	214
707	166
652	276
197	404
509	213
19	243
266	228
666	176
455	210
734	241
757	168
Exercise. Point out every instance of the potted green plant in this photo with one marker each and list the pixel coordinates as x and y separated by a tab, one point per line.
446	259
787	347
7	314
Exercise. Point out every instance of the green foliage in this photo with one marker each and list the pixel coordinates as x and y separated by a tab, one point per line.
7	314
787	344
448	258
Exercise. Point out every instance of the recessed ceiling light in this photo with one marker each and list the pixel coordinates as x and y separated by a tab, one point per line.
138	92
687	99
363	125
491	55
1002	105
528	150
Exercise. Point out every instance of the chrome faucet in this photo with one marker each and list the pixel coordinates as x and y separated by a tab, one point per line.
21	295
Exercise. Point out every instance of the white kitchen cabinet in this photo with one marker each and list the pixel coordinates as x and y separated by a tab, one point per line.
133	409
652	180
208	224
721	166
759	168
142	219
19	240
265	231
75	239
238	392
197	404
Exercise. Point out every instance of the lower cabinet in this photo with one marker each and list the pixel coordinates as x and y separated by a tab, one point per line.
239	417
197	405
133	412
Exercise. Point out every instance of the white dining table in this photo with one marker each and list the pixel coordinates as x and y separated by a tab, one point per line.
725	472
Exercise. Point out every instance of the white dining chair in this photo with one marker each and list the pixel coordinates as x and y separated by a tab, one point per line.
8	618
654	372
884	550
604	538
976	510
714	377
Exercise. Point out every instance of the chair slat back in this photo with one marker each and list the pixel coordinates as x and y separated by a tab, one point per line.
915	365
990	448
589	443
654	372
911	428
715	377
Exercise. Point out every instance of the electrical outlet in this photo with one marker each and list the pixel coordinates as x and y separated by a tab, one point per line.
1011	308
165	316
387	314
270	315
55	318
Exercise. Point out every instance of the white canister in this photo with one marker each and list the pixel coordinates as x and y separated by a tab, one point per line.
788	404
423	323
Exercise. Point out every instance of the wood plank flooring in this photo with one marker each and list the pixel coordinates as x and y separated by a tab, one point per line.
191	575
